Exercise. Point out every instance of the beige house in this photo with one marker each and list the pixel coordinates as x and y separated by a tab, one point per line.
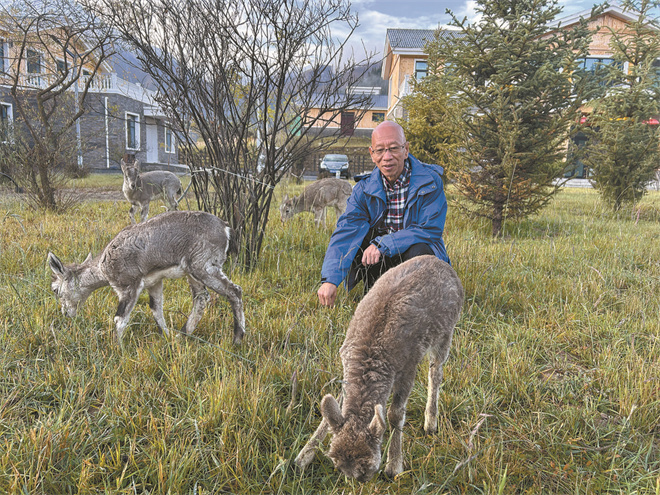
357	122
406	59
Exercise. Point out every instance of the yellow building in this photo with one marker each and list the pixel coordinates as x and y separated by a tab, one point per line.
357	122
406	59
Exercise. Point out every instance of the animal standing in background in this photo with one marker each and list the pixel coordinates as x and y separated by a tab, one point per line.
173	244
316	197
410	311
141	188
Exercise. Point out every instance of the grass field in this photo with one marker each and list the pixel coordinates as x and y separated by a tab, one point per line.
552	385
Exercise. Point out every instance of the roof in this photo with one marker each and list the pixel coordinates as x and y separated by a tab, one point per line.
410	42
371	102
127	66
379	102
409	38
614	9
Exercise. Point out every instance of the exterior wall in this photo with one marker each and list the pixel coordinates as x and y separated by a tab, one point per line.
103	126
104	140
602	35
93	125
366	123
403	69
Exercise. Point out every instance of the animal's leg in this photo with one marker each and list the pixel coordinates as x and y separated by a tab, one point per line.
170	200
201	298
437	359
396	415
144	213
131	213
128	296
214	278
306	455
156	305
317	217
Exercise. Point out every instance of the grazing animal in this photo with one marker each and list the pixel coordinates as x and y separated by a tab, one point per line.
410	311
141	188
173	244
316	197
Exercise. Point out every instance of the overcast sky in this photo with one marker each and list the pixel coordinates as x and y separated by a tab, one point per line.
377	15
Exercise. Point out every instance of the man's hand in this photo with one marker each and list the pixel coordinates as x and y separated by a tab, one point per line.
327	294
371	255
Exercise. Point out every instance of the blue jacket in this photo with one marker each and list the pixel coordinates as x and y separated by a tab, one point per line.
423	220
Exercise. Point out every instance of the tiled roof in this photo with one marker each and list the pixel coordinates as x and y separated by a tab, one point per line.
409	38
413	38
379	102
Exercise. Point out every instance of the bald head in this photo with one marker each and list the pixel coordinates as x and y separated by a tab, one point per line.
390	129
389	149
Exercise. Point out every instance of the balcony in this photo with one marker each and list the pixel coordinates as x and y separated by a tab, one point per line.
101	83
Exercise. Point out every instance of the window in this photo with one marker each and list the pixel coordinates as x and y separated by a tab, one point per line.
5	121
421	69
61	66
576	169
656	71
169	140
3	56
132	131
378	116
597	67
33	62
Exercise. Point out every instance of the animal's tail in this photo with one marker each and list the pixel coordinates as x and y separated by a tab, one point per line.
233	242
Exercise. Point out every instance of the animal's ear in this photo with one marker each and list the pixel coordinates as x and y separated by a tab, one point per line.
331	412
122	164
136	164
56	265
285	198
377	425
89	258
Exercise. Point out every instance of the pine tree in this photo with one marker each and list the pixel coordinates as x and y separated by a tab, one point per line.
428	108
623	150
515	84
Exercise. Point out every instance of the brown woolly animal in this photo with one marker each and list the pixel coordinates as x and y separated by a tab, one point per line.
411	311
140	188
316	197
174	244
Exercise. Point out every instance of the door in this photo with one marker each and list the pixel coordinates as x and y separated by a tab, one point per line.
347	123
152	141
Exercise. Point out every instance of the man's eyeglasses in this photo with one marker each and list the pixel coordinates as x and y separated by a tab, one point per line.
394	150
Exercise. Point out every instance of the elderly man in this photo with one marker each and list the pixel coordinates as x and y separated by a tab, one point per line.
396	213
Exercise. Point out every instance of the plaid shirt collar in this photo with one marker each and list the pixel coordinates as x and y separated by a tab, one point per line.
397	194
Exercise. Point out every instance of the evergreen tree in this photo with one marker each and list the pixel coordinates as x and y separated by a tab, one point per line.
518	95
428	107
623	151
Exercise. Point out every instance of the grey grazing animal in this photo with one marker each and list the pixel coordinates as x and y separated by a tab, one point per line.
410	311
141	188
316	197
173	244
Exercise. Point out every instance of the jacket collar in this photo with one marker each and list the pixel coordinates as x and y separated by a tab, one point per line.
419	177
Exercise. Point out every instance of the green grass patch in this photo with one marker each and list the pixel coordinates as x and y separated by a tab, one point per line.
552	385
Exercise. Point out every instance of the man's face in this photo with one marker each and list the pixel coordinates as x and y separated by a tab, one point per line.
389	150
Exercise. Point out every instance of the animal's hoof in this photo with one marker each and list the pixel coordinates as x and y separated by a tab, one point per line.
390	474
304	459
